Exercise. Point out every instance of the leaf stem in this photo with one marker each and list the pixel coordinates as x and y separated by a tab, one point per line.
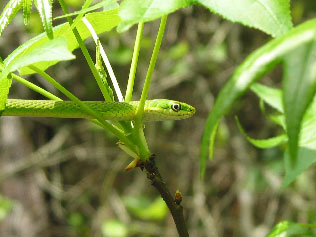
132	72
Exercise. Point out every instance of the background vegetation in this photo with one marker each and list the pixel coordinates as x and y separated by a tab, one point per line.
66	177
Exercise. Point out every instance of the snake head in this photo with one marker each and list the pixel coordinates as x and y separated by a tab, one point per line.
163	109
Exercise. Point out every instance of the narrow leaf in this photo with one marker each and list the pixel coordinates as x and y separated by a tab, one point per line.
271	16
299	87
254	67
45	10
52	50
27	7
8	13
263	143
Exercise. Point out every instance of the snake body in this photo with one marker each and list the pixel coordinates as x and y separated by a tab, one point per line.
154	110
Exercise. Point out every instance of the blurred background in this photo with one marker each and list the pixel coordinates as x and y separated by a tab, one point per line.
66	177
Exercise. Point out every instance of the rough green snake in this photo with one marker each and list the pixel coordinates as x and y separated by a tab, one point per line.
154	110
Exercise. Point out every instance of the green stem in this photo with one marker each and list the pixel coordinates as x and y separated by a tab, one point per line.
139	131
132	72
140	110
86	53
35	87
105	124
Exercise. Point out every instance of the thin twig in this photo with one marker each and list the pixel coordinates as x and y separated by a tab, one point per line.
174	204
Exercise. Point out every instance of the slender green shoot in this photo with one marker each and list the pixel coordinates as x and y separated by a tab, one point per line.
138	128
140	110
85	52
105	124
132	72
105	60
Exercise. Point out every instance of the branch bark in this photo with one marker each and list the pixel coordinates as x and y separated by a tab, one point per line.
174	204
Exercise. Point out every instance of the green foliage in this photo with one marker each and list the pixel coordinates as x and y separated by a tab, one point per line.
52	50
5	85
114	228
299	87
8	13
44	8
6	207
145	209
287	229
270	16
307	140
253	68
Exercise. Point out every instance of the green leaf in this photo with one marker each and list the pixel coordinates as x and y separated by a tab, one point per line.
254	67
5	85
270	16
114	228
263	143
101	21
6	206
299	87
134	11
55	49
142	208
27	7
44	8
8	13
271	96
306	156
287	229
105	4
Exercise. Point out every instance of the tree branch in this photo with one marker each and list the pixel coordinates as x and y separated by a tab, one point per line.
174	204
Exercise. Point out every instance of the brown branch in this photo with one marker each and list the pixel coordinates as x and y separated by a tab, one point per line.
173	203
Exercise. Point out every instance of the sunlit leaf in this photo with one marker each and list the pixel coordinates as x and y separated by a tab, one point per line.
8	13
270	16
49	51
45	10
134	11
101	22
27	7
105	3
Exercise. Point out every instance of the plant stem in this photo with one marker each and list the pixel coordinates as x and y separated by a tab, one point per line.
175	208
85	53
131	77
140	110
139	129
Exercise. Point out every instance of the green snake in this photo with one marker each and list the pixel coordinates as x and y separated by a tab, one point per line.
154	110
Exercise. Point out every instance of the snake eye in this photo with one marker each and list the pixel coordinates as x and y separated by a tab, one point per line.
176	107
